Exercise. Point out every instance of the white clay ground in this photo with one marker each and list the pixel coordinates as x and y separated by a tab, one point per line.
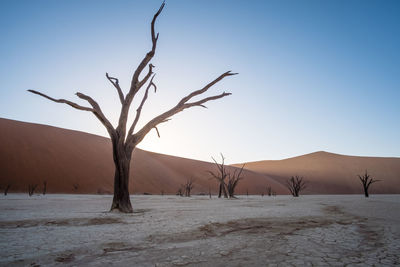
78	230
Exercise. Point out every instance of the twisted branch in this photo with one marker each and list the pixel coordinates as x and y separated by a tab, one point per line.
115	82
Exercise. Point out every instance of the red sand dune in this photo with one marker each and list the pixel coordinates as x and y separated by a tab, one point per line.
329	173
32	153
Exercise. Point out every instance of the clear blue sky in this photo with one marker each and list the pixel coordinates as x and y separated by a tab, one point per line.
314	75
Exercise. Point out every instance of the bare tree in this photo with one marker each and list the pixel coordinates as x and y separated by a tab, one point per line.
233	181
295	184
188	187
75	186
31	189
44	187
366	181
180	191
269	191
227	182
220	176
124	140
6	190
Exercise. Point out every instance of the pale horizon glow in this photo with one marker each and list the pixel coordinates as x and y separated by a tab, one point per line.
313	75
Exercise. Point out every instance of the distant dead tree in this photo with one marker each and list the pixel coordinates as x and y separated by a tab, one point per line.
6	189
124	139
75	186
227	182
209	192
44	187
220	176
247	192
295	184
180	191
269	191
188	186
366	181
162	192
31	189
233	181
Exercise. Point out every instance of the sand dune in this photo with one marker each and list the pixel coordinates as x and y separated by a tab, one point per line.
32	153
329	173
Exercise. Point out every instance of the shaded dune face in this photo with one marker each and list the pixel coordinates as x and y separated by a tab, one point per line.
77	162
329	173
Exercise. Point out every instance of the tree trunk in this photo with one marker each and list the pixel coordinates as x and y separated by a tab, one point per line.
121	199
366	191
220	191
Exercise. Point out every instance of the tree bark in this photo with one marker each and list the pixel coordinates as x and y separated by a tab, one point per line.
121	199
366	191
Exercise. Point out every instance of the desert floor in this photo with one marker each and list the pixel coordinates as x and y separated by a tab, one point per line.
78	230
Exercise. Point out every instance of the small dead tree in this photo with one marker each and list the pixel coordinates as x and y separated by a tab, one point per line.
44	187
31	189
180	191
6	190
269	191
233	181
124	137
75	186
366	181
209	192
188	187
295	184
220	176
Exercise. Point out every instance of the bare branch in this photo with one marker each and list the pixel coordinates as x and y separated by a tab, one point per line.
98	113
135	85
115	82
72	104
137	137
148	75
205	88
139	109
158	133
200	102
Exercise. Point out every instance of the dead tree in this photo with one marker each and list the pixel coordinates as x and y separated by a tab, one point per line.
220	176
31	189
125	138
6	190
75	186
295	184
180	191
44	187
233	181
188	187
269	191
366	181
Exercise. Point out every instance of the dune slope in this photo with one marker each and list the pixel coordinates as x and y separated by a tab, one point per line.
77	162
329	173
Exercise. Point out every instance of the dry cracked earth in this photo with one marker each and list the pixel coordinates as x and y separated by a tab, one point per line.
172	231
